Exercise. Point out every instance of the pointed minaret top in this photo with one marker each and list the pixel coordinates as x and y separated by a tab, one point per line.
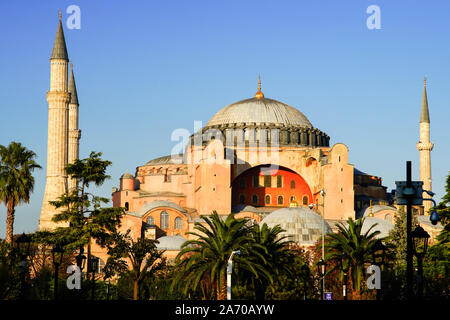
259	94
72	87
425	115
59	47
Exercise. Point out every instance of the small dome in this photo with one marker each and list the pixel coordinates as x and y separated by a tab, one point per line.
302	225
127	175
170	242
383	226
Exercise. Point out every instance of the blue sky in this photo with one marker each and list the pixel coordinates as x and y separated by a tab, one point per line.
146	68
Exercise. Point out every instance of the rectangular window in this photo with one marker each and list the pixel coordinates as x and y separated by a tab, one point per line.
279	181
256	181
267	181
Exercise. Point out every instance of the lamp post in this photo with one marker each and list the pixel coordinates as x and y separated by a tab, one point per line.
322	193
379	246
23	243
230	271
57	255
321	269
420	235
345	266
305	273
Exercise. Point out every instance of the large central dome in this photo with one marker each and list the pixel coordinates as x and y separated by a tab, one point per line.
260	111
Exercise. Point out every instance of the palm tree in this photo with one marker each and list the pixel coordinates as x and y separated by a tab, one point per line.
357	246
273	253
207	255
16	180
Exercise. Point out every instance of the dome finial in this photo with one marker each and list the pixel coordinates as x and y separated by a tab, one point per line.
59	13
424	81
259	94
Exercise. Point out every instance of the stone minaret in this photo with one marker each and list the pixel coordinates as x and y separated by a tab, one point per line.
425	146
74	133
58	105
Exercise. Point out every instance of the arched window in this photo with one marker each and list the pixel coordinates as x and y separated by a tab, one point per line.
292	199
279	181
267	199
280	199
242	199
127	206
254	199
292	184
178	223
164	220
305	200
150	221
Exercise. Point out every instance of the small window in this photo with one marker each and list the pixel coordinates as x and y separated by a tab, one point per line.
267	181
178	223
267	199
280	199
305	200
256	181
279	181
254	199
242	199
292	184
292	199
150	221
164	223
127	206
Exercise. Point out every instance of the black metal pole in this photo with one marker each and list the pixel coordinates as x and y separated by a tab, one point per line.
22	280
55	284
409	253
420	277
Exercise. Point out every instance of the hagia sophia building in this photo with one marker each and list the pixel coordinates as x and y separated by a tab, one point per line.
259	158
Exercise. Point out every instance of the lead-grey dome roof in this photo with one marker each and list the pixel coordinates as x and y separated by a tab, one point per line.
170	242
260	111
302	225
383	226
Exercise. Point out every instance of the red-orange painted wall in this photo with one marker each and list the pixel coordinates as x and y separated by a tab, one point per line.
301	187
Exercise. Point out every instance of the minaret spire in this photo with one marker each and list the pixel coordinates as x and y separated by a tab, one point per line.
425	115
59	47
74	134
425	146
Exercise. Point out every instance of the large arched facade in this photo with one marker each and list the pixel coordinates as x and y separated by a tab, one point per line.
263	186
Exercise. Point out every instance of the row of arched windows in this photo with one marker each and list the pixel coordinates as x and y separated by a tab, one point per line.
267	182
164	221
268	199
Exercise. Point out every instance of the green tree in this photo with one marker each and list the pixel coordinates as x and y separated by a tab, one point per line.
396	241
274	257
136	259
356	245
16	180
207	256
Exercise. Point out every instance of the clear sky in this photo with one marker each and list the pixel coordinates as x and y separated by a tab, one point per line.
146	68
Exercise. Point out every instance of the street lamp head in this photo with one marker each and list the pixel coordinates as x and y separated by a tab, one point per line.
434	217
57	254
420	234
322	192
23	243
321	265
81	260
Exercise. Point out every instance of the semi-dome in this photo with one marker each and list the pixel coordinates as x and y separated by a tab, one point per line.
170	242
383	226
302	225
260	111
